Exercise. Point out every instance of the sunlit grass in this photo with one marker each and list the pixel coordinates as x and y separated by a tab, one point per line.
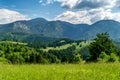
93	71
59	47
78	47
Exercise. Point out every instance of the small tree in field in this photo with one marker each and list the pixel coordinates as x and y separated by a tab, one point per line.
101	43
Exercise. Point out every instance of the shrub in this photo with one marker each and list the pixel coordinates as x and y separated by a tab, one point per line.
113	58
76	58
3	60
103	57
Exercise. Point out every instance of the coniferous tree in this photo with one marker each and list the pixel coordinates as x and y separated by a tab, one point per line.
101	44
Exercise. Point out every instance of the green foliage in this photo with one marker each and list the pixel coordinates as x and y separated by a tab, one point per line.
41	60
101	44
64	55
103	57
3	60
113	58
21	53
24	37
76	58
15	58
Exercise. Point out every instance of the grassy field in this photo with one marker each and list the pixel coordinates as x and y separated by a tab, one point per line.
102	71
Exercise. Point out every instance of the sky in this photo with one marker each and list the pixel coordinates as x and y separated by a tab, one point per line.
73	11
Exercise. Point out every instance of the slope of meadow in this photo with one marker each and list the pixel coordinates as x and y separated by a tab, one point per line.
65	46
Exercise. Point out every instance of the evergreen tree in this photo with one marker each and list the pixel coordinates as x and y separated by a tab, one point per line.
101	44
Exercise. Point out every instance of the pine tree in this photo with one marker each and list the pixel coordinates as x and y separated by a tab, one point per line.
101	44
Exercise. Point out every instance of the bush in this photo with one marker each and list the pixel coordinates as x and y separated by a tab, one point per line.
76	58
113	58
3	60
103	57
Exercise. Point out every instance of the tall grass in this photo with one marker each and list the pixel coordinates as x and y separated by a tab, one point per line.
93	71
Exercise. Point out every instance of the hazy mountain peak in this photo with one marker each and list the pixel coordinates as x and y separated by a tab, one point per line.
106	22
38	19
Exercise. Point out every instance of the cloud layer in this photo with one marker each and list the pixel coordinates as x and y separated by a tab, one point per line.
96	3
7	16
88	11
88	17
83	3
74	17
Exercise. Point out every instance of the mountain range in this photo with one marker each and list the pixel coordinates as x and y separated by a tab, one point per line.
59	29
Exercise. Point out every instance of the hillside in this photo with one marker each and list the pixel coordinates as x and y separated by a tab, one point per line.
25	37
109	26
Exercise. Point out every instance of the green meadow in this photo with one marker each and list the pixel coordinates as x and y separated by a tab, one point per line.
90	71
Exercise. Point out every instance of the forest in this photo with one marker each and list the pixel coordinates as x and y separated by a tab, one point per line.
100	49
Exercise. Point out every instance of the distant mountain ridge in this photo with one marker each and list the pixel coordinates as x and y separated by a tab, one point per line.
61	29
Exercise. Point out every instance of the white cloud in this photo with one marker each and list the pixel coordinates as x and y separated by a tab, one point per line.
83	3
64	3
67	3
7	16
46	2
74	17
96	4
101	14
89	17
41	1
88	11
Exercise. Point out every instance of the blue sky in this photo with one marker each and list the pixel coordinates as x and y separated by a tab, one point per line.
32	8
73	11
